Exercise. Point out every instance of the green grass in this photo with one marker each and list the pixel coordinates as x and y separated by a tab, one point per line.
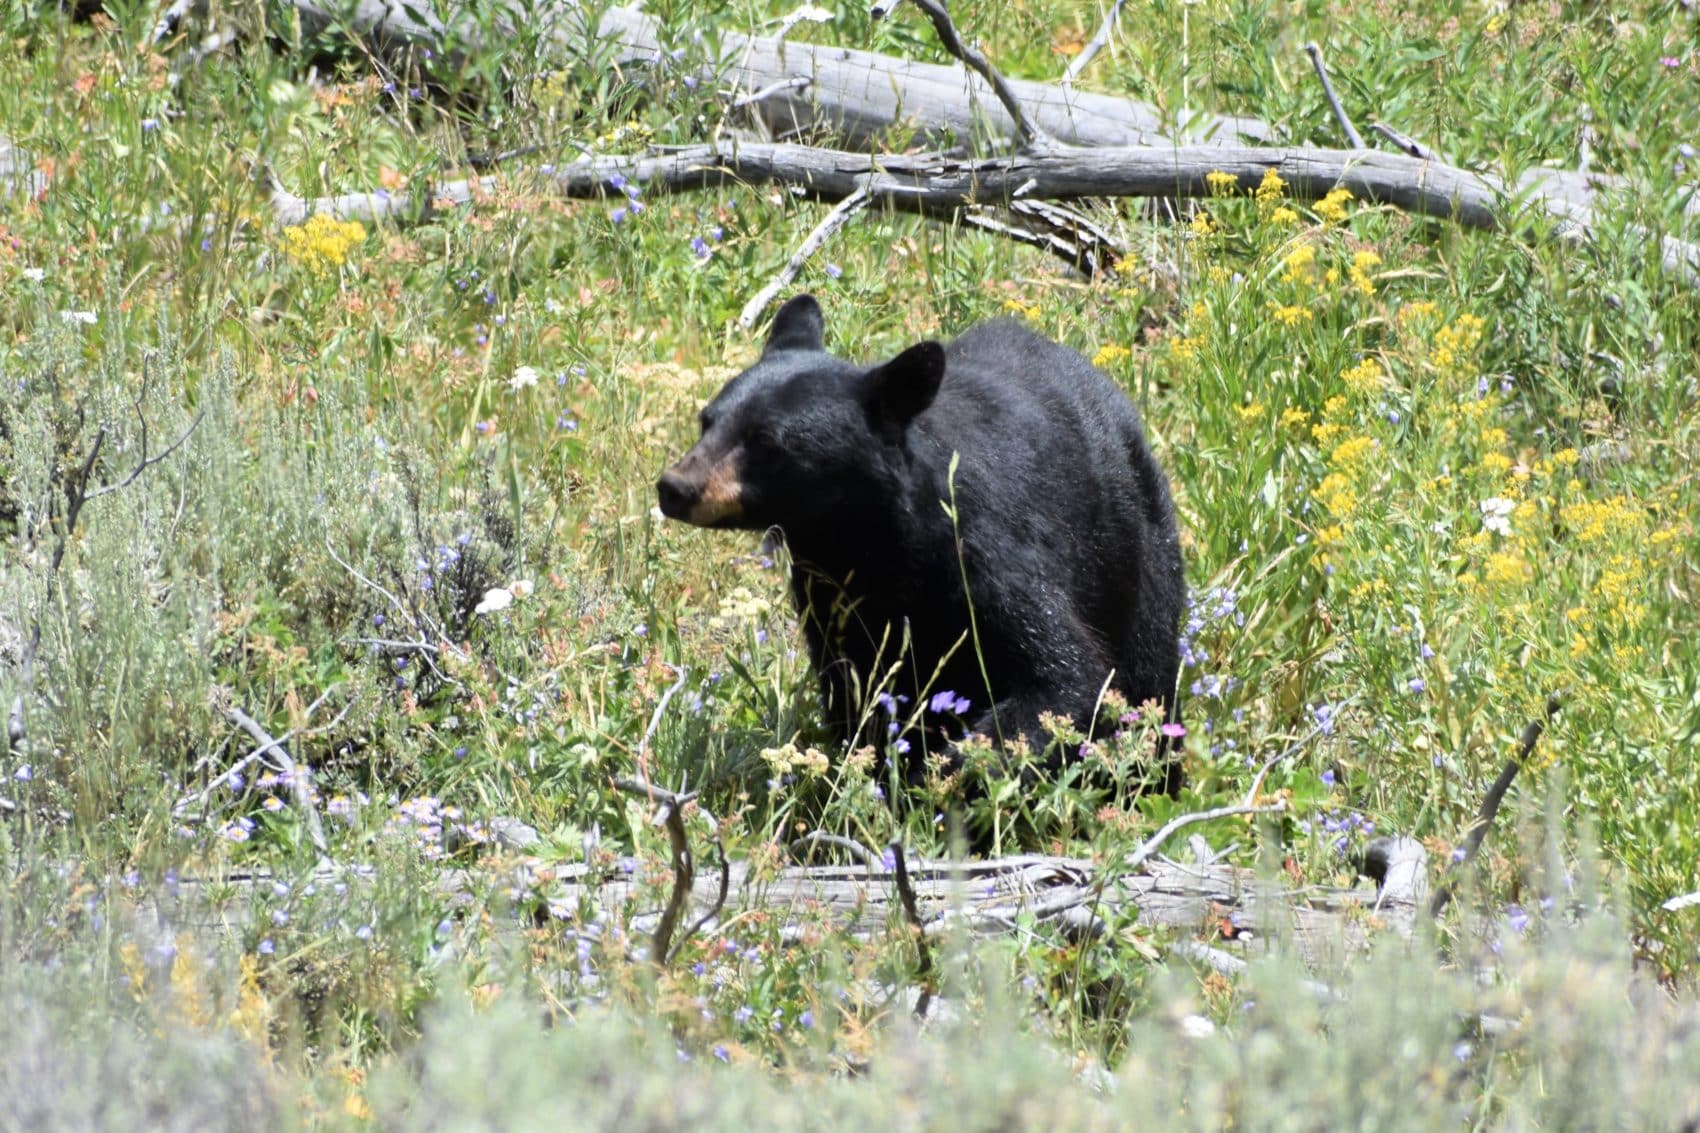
1427	478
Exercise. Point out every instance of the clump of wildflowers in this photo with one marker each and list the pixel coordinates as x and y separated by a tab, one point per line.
323	243
1111	354
1332	208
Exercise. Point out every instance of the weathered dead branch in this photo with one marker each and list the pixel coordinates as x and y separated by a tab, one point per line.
671	816
297	776
1472	844
981	898
938	184
794	89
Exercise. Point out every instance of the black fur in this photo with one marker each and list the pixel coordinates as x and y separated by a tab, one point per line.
1067	532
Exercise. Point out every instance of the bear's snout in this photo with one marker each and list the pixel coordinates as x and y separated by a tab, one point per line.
676	495
704	492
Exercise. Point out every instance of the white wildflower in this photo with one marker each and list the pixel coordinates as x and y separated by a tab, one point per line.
1496	514
524	378
495	599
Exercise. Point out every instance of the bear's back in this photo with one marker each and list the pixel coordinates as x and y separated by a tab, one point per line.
1026	402
1056	481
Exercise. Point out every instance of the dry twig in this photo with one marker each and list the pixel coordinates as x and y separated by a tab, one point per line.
812	243
838	841
1356	139
671	815
1472	844
1027	133
295	774
1405	143
1097	43
912	913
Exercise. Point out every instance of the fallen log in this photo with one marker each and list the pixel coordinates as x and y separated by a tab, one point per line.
793	89
1231	907
941	184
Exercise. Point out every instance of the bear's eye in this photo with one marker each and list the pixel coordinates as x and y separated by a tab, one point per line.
762	438
706	420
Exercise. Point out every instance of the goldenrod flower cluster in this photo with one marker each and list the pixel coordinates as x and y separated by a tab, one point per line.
323	243
1111	354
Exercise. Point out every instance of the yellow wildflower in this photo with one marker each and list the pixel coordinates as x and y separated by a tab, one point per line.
1221	184
1250	412
1364	378
1361	263
1271	187
323	242
1299	264
1186	347
1458	338
1496	463
1350	453
1110	354
1201	224
1595	520
1293	417
1507	568
1290	315
1337	495
1284	215
1332	208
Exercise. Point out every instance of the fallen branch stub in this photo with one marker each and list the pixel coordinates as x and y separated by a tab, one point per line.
1466	853
671	816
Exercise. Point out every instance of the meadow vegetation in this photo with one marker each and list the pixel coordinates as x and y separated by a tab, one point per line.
1427	478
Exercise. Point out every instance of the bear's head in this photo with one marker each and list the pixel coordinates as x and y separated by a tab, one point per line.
800	432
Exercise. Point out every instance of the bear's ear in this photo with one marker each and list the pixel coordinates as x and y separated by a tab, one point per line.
898	391
797	326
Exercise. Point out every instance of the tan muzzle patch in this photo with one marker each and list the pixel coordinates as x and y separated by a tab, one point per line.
721	496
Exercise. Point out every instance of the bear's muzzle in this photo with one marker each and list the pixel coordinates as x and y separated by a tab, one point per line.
700	491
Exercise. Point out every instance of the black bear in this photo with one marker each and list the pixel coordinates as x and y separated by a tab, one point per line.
1059	574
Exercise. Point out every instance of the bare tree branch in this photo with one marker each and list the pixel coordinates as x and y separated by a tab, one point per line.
655	722
935	184
671	816
146	460
714	910
259	754
912	913
1154	843
1405	143
812	243
296	775
1472	844
1026	132
1098	42
838	841
1356	139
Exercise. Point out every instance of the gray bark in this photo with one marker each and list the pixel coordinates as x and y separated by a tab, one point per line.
853	96
980	898
934	184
